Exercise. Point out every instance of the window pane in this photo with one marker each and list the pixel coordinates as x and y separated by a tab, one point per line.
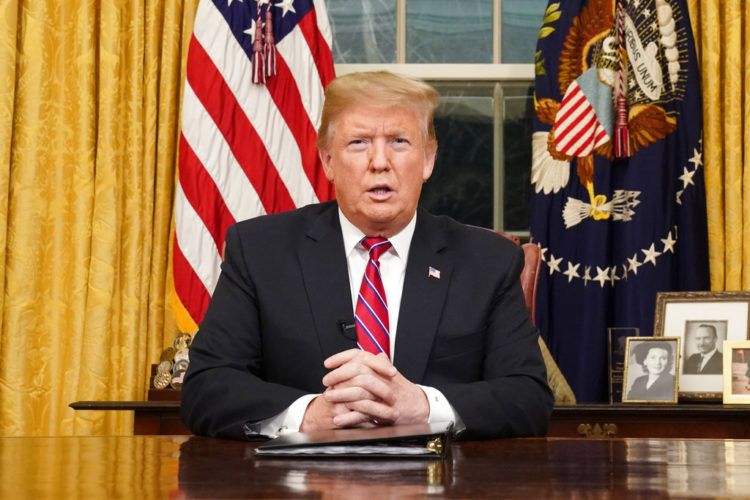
364	31
461	184
521	22
518	110
447	31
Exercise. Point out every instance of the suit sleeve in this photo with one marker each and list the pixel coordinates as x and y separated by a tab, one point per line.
512	399
223	388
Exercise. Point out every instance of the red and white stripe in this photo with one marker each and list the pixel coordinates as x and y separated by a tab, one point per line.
577	129
245	149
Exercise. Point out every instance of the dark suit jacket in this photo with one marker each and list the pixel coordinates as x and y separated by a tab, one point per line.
284	292
661	390
714	365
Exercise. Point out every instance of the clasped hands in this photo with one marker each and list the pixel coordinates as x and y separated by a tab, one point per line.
364	390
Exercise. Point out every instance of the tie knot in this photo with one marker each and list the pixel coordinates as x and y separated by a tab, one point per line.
376	245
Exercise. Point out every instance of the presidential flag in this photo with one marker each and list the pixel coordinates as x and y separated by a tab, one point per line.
256	75
618	204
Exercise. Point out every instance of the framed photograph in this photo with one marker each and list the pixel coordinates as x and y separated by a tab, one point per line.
703	320
737	372
650	370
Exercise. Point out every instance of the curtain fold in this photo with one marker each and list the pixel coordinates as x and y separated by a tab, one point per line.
8	54
722	34
89	99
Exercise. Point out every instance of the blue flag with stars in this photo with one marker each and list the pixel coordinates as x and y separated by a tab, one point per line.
618	204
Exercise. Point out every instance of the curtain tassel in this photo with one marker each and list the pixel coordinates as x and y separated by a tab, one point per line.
259	75
622	136
269	47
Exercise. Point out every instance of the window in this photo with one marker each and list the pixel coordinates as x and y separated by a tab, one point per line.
479	55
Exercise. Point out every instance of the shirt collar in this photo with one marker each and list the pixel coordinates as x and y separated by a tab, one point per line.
710	353
400	242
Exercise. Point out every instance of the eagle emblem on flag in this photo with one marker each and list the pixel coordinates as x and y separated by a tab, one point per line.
619	64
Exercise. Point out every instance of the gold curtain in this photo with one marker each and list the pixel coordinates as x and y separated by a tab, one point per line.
89	99
722	34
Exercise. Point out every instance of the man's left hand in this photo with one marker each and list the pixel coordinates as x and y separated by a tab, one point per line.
371	385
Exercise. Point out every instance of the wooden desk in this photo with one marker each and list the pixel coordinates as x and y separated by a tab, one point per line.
151	417
662	421
182	467
597	421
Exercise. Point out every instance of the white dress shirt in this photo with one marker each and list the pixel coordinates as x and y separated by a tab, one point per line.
392	268
392	272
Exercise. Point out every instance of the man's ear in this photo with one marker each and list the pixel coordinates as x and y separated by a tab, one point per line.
325	159
429	163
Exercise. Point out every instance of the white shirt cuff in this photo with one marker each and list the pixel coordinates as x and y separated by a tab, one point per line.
288	420
441	410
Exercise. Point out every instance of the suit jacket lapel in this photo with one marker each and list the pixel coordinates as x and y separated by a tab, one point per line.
423	297
326	279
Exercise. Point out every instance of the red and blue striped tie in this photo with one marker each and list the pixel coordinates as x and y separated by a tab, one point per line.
371	313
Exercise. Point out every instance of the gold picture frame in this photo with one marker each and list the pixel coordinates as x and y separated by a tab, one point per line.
736	374
689	315
651	370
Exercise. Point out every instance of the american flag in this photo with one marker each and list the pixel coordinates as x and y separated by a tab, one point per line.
246	149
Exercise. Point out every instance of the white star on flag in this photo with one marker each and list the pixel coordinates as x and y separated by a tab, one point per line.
554	264
586	275
687	177
633	264
668	243
697	158
572	272
624	272
285	6
650	255
613	275
602	275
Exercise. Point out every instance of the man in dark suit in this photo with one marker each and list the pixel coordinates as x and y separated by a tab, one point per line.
278	348
708	359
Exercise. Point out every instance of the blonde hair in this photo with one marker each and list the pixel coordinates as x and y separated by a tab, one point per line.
381	89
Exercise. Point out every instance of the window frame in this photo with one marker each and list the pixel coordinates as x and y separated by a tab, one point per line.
496	73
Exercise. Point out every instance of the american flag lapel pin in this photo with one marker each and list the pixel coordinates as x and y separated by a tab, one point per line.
433	273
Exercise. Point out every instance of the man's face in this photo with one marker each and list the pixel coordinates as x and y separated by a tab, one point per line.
378	159
705	340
